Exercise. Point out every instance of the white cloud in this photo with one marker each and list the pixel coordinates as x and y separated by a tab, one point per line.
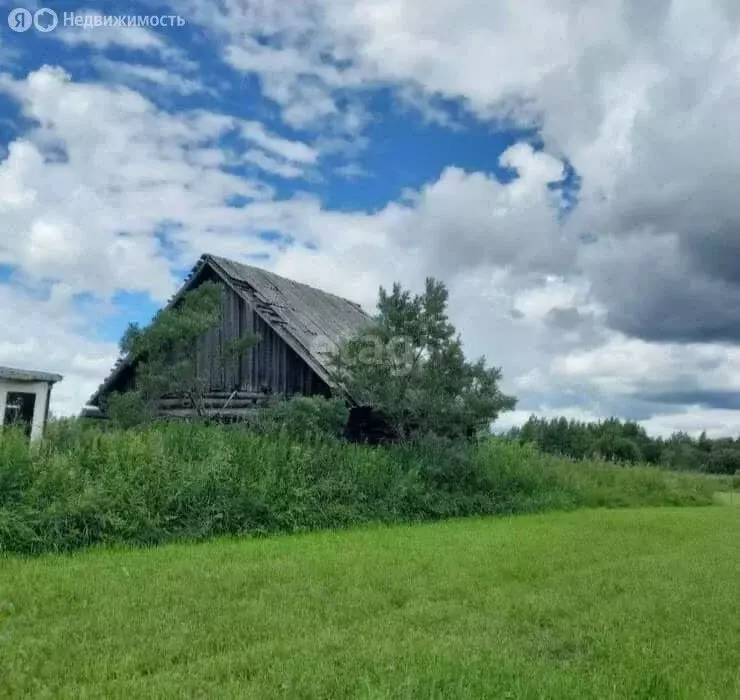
639	96
271	165
694	420
46	333
630	366
133	38
464	220
516	418
136	74
89	218
293	151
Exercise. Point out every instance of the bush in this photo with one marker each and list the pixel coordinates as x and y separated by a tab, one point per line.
618	449
169	481
723	461
304	416
128	409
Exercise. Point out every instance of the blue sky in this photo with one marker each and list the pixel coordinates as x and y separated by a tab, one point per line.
557	165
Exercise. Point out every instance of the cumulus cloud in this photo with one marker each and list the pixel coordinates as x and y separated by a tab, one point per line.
85	191
138	75
640	97
134	38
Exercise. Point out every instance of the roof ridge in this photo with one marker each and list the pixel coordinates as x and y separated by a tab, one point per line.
270	273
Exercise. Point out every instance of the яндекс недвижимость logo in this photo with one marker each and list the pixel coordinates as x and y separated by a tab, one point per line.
47	20
21	20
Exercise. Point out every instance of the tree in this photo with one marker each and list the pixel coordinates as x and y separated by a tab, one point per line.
618	449
166	351
723	460
410	366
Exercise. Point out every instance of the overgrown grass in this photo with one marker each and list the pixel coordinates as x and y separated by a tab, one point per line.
178	481
592	604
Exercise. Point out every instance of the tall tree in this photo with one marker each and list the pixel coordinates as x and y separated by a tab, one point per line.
410	366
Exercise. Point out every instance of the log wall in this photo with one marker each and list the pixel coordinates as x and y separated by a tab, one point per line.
270	367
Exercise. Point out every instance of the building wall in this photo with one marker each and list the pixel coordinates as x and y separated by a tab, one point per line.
270	366
40	389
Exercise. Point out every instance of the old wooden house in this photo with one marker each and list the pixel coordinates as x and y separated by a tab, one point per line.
297	326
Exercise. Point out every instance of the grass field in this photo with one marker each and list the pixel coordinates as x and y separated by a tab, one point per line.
589	604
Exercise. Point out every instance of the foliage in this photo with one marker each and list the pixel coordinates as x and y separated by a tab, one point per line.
166	351
128	409
619	441
302	417
724	460
593	605
411	367
167	481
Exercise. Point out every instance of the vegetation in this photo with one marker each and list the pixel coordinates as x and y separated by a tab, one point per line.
592	604
166	356
300	417
82	486
409	365
628	442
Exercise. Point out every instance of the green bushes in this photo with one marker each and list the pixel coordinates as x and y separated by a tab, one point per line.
301	417
84	486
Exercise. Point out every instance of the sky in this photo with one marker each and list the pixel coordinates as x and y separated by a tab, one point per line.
568	169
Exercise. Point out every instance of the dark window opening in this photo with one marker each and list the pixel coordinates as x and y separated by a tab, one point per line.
19	408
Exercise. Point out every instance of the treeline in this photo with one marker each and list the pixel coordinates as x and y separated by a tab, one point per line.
626	441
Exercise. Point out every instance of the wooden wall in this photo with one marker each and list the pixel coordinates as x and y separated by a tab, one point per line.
271	366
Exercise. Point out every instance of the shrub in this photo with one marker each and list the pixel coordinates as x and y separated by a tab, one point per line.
167	481
304	416
128	409
723	461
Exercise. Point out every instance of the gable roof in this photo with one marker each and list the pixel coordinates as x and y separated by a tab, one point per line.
310	321
26	375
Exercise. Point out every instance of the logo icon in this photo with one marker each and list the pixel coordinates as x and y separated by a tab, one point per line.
45	20
20	20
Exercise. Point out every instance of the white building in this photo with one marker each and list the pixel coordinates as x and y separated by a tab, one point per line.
24	398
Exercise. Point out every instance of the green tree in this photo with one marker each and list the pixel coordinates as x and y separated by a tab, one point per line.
166	352
410	366
723	460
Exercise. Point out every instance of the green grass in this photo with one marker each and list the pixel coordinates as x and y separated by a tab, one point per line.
730	498
189	482
589	604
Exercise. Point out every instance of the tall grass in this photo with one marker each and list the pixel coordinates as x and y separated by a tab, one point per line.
82	487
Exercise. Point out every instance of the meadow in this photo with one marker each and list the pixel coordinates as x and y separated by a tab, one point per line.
596	603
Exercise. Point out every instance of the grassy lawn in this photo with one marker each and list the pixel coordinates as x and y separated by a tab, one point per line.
590	604
730	498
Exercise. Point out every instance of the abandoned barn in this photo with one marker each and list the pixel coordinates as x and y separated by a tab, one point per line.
296	325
